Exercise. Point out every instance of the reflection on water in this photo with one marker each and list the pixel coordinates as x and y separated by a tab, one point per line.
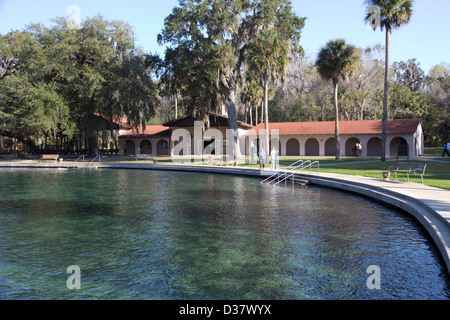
164	235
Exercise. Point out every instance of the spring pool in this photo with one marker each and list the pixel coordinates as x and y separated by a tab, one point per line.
139	234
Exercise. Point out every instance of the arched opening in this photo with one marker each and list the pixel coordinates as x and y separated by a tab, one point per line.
349	147
395	144
330	147
292	147
374	147
312	147
145	147
129	148
162	148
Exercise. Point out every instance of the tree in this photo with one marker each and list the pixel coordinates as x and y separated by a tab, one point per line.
269	54
437	120
406	103
105	74
216	35
388	15
337	61
30	106
440	71
409	74
252	95
57	81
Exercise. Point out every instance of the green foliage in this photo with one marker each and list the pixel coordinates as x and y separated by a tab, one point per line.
409	74
406	103
209	44
337	60
55	81
393	13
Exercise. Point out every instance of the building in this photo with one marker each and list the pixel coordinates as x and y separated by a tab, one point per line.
157	140
292	138
318	138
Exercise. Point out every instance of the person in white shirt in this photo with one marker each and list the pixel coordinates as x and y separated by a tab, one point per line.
273	156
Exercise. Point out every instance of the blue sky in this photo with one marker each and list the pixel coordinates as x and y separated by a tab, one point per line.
426	37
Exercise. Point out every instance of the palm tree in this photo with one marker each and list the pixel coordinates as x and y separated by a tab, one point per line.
252	95
337	61
392	14
270	55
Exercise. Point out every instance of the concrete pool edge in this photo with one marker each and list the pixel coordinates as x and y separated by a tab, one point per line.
408	197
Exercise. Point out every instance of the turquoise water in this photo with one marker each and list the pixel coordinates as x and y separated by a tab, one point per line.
166	235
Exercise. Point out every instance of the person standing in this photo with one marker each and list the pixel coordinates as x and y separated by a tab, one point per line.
359	149
276	158
273	158
446	150
254	153
262	158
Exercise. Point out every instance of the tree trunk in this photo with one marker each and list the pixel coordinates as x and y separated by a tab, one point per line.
251	115
262	112
385	99
229	100
336	120
93	147
30	142
266	113
176	105
256	115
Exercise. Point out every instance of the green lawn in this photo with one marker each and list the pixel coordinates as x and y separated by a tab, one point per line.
433	152
437	173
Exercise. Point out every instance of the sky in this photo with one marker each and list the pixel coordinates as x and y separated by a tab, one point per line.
426	38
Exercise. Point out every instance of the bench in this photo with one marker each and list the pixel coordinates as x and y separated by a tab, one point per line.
145	156
51	157
409	168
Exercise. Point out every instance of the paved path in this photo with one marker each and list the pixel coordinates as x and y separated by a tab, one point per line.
436	198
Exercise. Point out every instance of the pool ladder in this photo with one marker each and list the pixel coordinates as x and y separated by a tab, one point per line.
90	163
82	158
286	174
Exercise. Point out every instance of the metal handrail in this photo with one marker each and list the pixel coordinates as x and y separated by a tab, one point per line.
276	175
310	166
82	156
301	166
281	176
90	162
284	176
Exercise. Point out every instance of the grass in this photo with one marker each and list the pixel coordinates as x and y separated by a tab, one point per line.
437	173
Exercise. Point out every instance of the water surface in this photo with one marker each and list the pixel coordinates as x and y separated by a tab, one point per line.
167	235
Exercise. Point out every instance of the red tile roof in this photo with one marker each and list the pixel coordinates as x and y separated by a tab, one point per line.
119	121
214	119
396	126
150	131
